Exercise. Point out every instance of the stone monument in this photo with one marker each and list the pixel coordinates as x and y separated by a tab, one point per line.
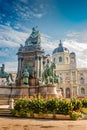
31	57
33	75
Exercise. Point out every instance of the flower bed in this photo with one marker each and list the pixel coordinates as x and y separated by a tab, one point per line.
48	108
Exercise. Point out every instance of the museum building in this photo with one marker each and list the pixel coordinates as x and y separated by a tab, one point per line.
72	80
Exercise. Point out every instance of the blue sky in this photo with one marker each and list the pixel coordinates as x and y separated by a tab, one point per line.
56	19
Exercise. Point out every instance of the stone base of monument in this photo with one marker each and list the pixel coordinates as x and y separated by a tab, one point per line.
52	91
33	82
48	90
19	82
23	91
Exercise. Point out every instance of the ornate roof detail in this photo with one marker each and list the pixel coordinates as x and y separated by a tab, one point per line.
60	48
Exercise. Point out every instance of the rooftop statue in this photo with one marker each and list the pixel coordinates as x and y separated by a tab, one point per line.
34	38
4	74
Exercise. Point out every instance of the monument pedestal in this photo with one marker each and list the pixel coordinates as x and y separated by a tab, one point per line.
24	90
33	82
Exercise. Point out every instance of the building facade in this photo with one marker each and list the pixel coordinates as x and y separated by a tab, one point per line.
72	80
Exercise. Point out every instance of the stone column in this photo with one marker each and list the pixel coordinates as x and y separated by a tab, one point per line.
71	81
63	79
64	92
19	67
37	67
76	77
78	91
71	91
40	66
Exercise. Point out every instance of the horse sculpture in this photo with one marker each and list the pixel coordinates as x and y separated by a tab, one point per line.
49	74
4	74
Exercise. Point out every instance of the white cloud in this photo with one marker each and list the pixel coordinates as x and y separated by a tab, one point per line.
74	45
27	12
48	44
80	36
73	34
10	66
38	15
80	49
83	36
2	53
10	37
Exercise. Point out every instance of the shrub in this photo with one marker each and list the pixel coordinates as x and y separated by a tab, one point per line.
22	113
64	107
84	102
51	105
21	104
77	104
13	112
75	115
37	105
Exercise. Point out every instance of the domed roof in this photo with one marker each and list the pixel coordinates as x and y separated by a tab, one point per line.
60	48
72	53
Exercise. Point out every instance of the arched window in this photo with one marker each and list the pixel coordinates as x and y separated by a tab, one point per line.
68	93
82	91
82	80
67	59
60	59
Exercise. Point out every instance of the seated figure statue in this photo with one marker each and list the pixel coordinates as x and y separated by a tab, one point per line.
34	38
25	76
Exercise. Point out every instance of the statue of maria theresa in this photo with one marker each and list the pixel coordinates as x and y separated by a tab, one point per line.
34	38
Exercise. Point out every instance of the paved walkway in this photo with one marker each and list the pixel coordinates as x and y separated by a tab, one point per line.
10	123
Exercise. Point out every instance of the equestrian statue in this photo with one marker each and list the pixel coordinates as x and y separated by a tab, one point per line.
4	74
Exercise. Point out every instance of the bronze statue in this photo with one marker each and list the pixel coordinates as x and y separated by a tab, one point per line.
4	74
49	75
34	38
25	76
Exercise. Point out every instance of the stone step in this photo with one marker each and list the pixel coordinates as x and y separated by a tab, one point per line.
4	96
4	101
4	106
5	112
